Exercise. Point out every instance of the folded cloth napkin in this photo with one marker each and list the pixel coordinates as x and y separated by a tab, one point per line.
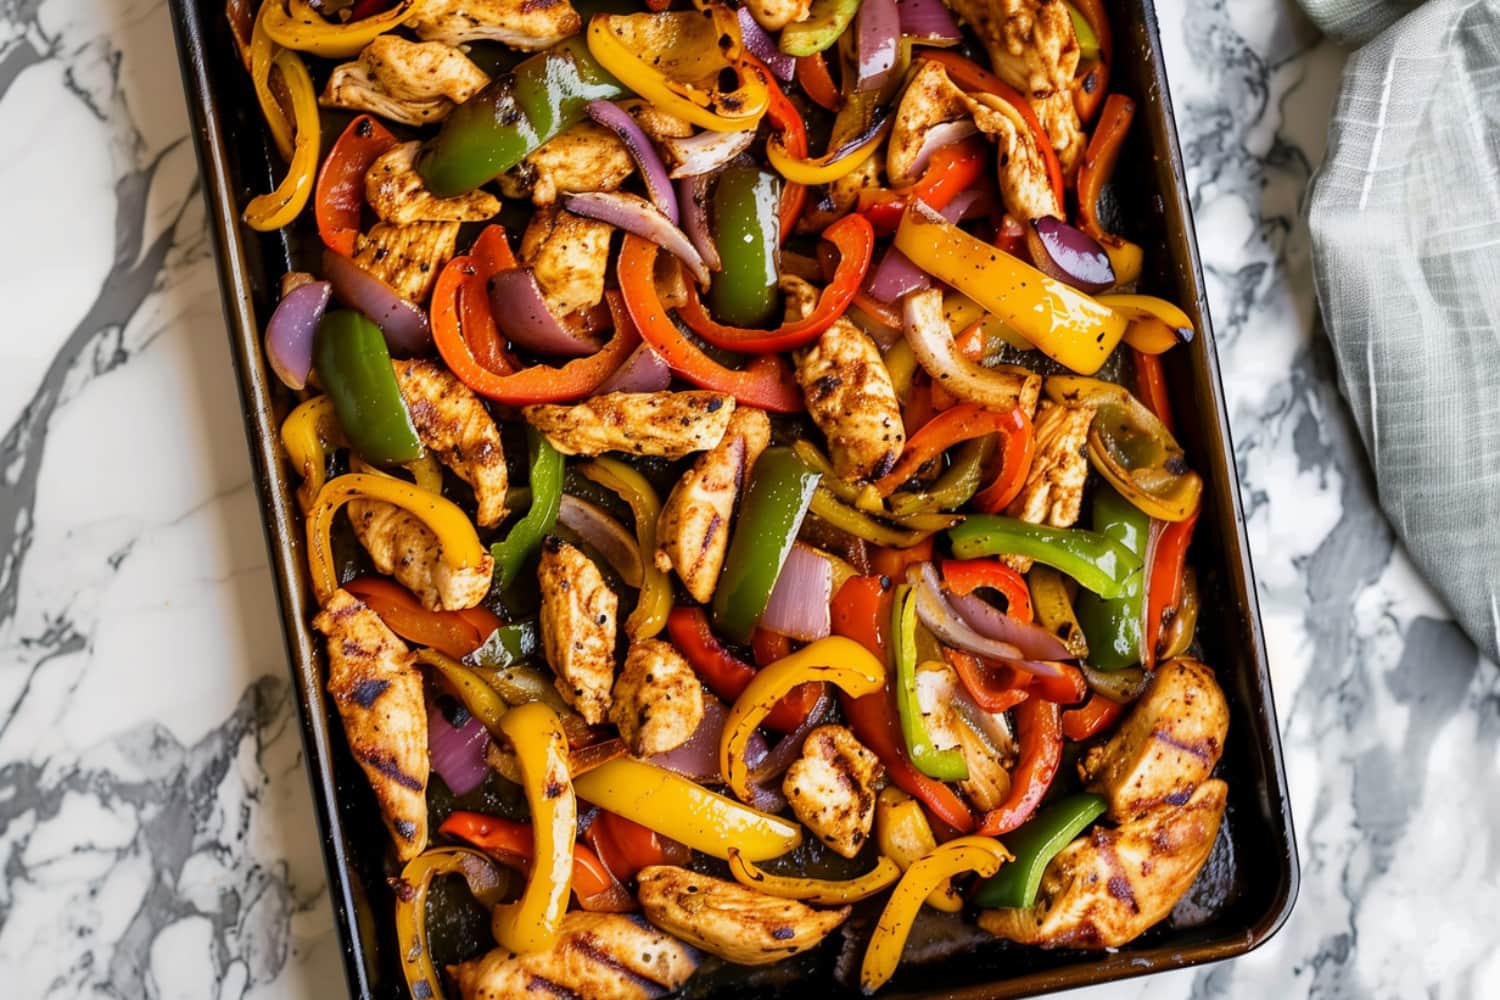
1405	220
1354	22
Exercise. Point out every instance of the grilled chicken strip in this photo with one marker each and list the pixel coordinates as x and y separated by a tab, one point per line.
578	628
658	124
402	546
773	15
986	753
1053	492
1110	885
529	25
378	691
584	157
1169	742
398	194
409	82
727	919
567	253
693	531
670	424
831	788
1031	43
454	424
851	397
408	258
827	203
1059	117
658	698
600	956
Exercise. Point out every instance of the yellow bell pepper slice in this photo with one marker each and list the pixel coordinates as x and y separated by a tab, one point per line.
961	312
674	60
455	532
278	208
425	471
478	696
684	810
840	661
1156	325
487	881
536	736
306	434
820	892
262	50
823	169
904	835
981	855
1065	324
655	600
304	29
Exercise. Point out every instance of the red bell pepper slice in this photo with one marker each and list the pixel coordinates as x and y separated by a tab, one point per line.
964	576
727	675
512	844
1010	236
1088	93
952	171
860	610
1165	584
491	254
1067	687
1151	386
769	646
1100	158
1039	734
1091	718
339	194
786	119
766	383
855	241
1017	446
454	633
961	423
817	83
625	846
993	688
892	563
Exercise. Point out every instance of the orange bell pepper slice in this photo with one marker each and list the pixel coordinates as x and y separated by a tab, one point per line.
339	193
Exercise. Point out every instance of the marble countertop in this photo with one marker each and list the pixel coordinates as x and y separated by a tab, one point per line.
156	827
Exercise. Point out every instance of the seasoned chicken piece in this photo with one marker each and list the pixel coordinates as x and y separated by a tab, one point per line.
402	546
986	755
692	534
827	203
739	925
585	157
453	423
378	690
1169	742
408	258
1110	885
851	398
409	82
1031	43
398	195
657	123
773	15
1025	185
567	253
578	628
658	698
670	424
529	25
929	100
1059	117
600	956
1053	493
831	788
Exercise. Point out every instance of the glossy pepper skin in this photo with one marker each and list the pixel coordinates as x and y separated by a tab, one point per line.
525	538
497	127
945	765
1034	845
354	366
726	675
1039	733
746	231
1100	564
1114	627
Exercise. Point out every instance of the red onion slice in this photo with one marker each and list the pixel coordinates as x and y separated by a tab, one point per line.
694	192
407	332
760	45
799	604
457	754
698	758
637	215
1070	255
643	371
878	35
521	312
704	152
653	171
894	276
938	615
605	535
289	335
1032	640
937	137
928	21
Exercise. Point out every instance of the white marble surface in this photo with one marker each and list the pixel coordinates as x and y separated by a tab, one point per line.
156	832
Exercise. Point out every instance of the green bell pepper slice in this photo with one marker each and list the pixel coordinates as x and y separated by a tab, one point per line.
525	538
1088	40
944	765
354	366
747	233
497	127
1034	844
507	646
781	489
1097	562
823	25
956	486
1114	626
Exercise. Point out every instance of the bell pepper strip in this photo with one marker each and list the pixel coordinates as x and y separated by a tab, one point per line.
539	383
952	170
655	597
820	29
770	516
507	646
904	836
992	688
980	855
306	434
1114	626
514	845
787	120
271	211
1065	324
354	366
1156	325
1039	733
489	255
768	646
1091	718
969	76
454	633
1164	592
262	52
480	697
944	765
626	846
519	684
843	662
746	232
766	383
1014	432
855	242
726	675
1135	453
870	125
297	25
685	811
1177	636
1151	387
584	759
854	494
524	540
1094	172
1067	686
862	612
1096	45
892	563
964	576
541	749
960	423
455	532
957	484
1053	609
486	882
1098	563
652	54
1034	846
817	891
817	83
859	524
340	191
425	472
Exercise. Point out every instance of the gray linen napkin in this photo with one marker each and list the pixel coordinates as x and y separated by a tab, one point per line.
1353	22
1405	219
